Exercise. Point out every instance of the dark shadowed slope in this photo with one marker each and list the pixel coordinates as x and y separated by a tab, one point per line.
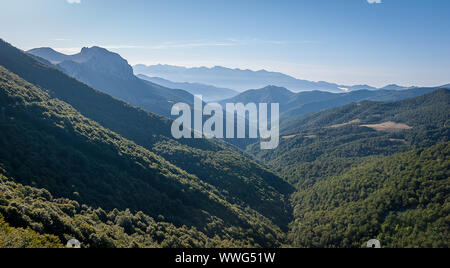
246	184
34	218
47	143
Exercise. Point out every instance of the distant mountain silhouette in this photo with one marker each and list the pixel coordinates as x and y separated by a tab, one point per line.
394	87
357	87
49	54
266	94
237	79
110	73
295	104
209	93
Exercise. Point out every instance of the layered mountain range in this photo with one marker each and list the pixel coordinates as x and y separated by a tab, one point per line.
242	80
209	93
78	161
99	151
295	104
110	73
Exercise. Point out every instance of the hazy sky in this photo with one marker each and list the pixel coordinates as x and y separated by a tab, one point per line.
344	41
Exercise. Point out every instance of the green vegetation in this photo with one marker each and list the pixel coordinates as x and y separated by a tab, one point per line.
77	163
323	144
352	185
25	238
207	160
403	200
36	209
47	144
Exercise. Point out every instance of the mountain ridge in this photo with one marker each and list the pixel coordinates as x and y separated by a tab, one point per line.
342	136
297	104
110	73
208	92
355	179
236	79
248	186
368	170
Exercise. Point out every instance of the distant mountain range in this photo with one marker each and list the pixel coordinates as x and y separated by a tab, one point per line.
209	93
110	73
242	80
295	104
78	163
81	144
351	166
395	87
237	79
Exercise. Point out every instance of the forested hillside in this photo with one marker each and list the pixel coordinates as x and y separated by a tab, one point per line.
246	184
11	237
352	185
47	143
402	200
325	143
77	163
42	220
427	109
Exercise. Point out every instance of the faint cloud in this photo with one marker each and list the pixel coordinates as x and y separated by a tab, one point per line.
229	42
226	43
74	1
258	41
170	45
374	1
191	45
166	45
272	42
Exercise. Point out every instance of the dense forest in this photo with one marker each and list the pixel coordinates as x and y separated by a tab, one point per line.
326	143
47	144
353	185
41	220
77	163
257	187
402	200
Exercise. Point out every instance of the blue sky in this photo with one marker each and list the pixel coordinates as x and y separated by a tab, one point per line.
343	41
